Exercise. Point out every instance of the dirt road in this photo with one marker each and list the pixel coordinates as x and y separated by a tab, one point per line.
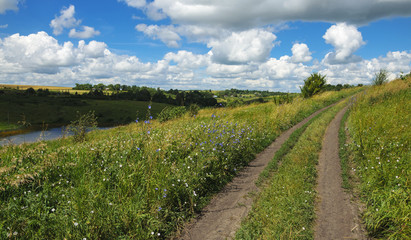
337	217
222	217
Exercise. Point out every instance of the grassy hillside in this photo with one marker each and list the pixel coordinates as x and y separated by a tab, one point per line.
379	125
138	181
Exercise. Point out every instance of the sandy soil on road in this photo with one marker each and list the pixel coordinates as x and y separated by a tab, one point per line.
337	216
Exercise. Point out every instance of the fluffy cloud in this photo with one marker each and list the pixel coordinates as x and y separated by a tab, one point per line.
88	32
346	39
41	53
40	59
250	13
166	34
65	20
8	5
239	48
301	53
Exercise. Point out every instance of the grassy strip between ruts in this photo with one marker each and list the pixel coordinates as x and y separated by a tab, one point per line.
343	153
379	126
284	209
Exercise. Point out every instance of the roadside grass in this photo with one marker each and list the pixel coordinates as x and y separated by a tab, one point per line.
284	209
139	181
379	125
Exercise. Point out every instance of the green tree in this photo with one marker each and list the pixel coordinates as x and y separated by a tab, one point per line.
381	77
313	85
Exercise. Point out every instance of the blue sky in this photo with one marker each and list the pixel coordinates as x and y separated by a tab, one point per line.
248	44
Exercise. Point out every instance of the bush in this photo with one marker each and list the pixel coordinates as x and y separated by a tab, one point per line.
313	84
193	109
381	77
169	113
79	126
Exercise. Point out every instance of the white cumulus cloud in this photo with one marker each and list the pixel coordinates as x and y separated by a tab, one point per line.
65	20
346	39
41	53
166	34
301	53
41	59
239	48
8	5
88	32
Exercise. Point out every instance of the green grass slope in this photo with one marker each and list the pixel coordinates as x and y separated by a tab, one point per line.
139	181
379	125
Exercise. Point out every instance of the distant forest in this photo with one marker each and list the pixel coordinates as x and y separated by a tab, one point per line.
203	98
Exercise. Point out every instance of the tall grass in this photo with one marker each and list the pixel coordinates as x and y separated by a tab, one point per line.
379	125
139	181
284	209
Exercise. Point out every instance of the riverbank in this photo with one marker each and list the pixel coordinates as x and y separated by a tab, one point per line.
59	111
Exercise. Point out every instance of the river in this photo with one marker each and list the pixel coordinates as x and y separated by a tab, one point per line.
35	136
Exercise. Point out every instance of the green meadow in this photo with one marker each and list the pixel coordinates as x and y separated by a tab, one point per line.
379	129
139	181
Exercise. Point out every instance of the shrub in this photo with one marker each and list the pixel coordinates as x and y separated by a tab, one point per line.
380	78
169	113
313	84
193	109
79	126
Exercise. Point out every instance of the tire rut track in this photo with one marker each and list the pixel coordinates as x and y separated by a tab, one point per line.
222	217
337	216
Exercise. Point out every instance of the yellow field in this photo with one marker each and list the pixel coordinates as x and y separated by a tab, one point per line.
24	87
50	88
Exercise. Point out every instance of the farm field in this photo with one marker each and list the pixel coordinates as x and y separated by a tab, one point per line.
143	180
36	87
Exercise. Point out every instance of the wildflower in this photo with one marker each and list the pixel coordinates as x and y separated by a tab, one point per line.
76	224
151	117
159	209
152	233
158	234
148	132
53	209
15	233
149	107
